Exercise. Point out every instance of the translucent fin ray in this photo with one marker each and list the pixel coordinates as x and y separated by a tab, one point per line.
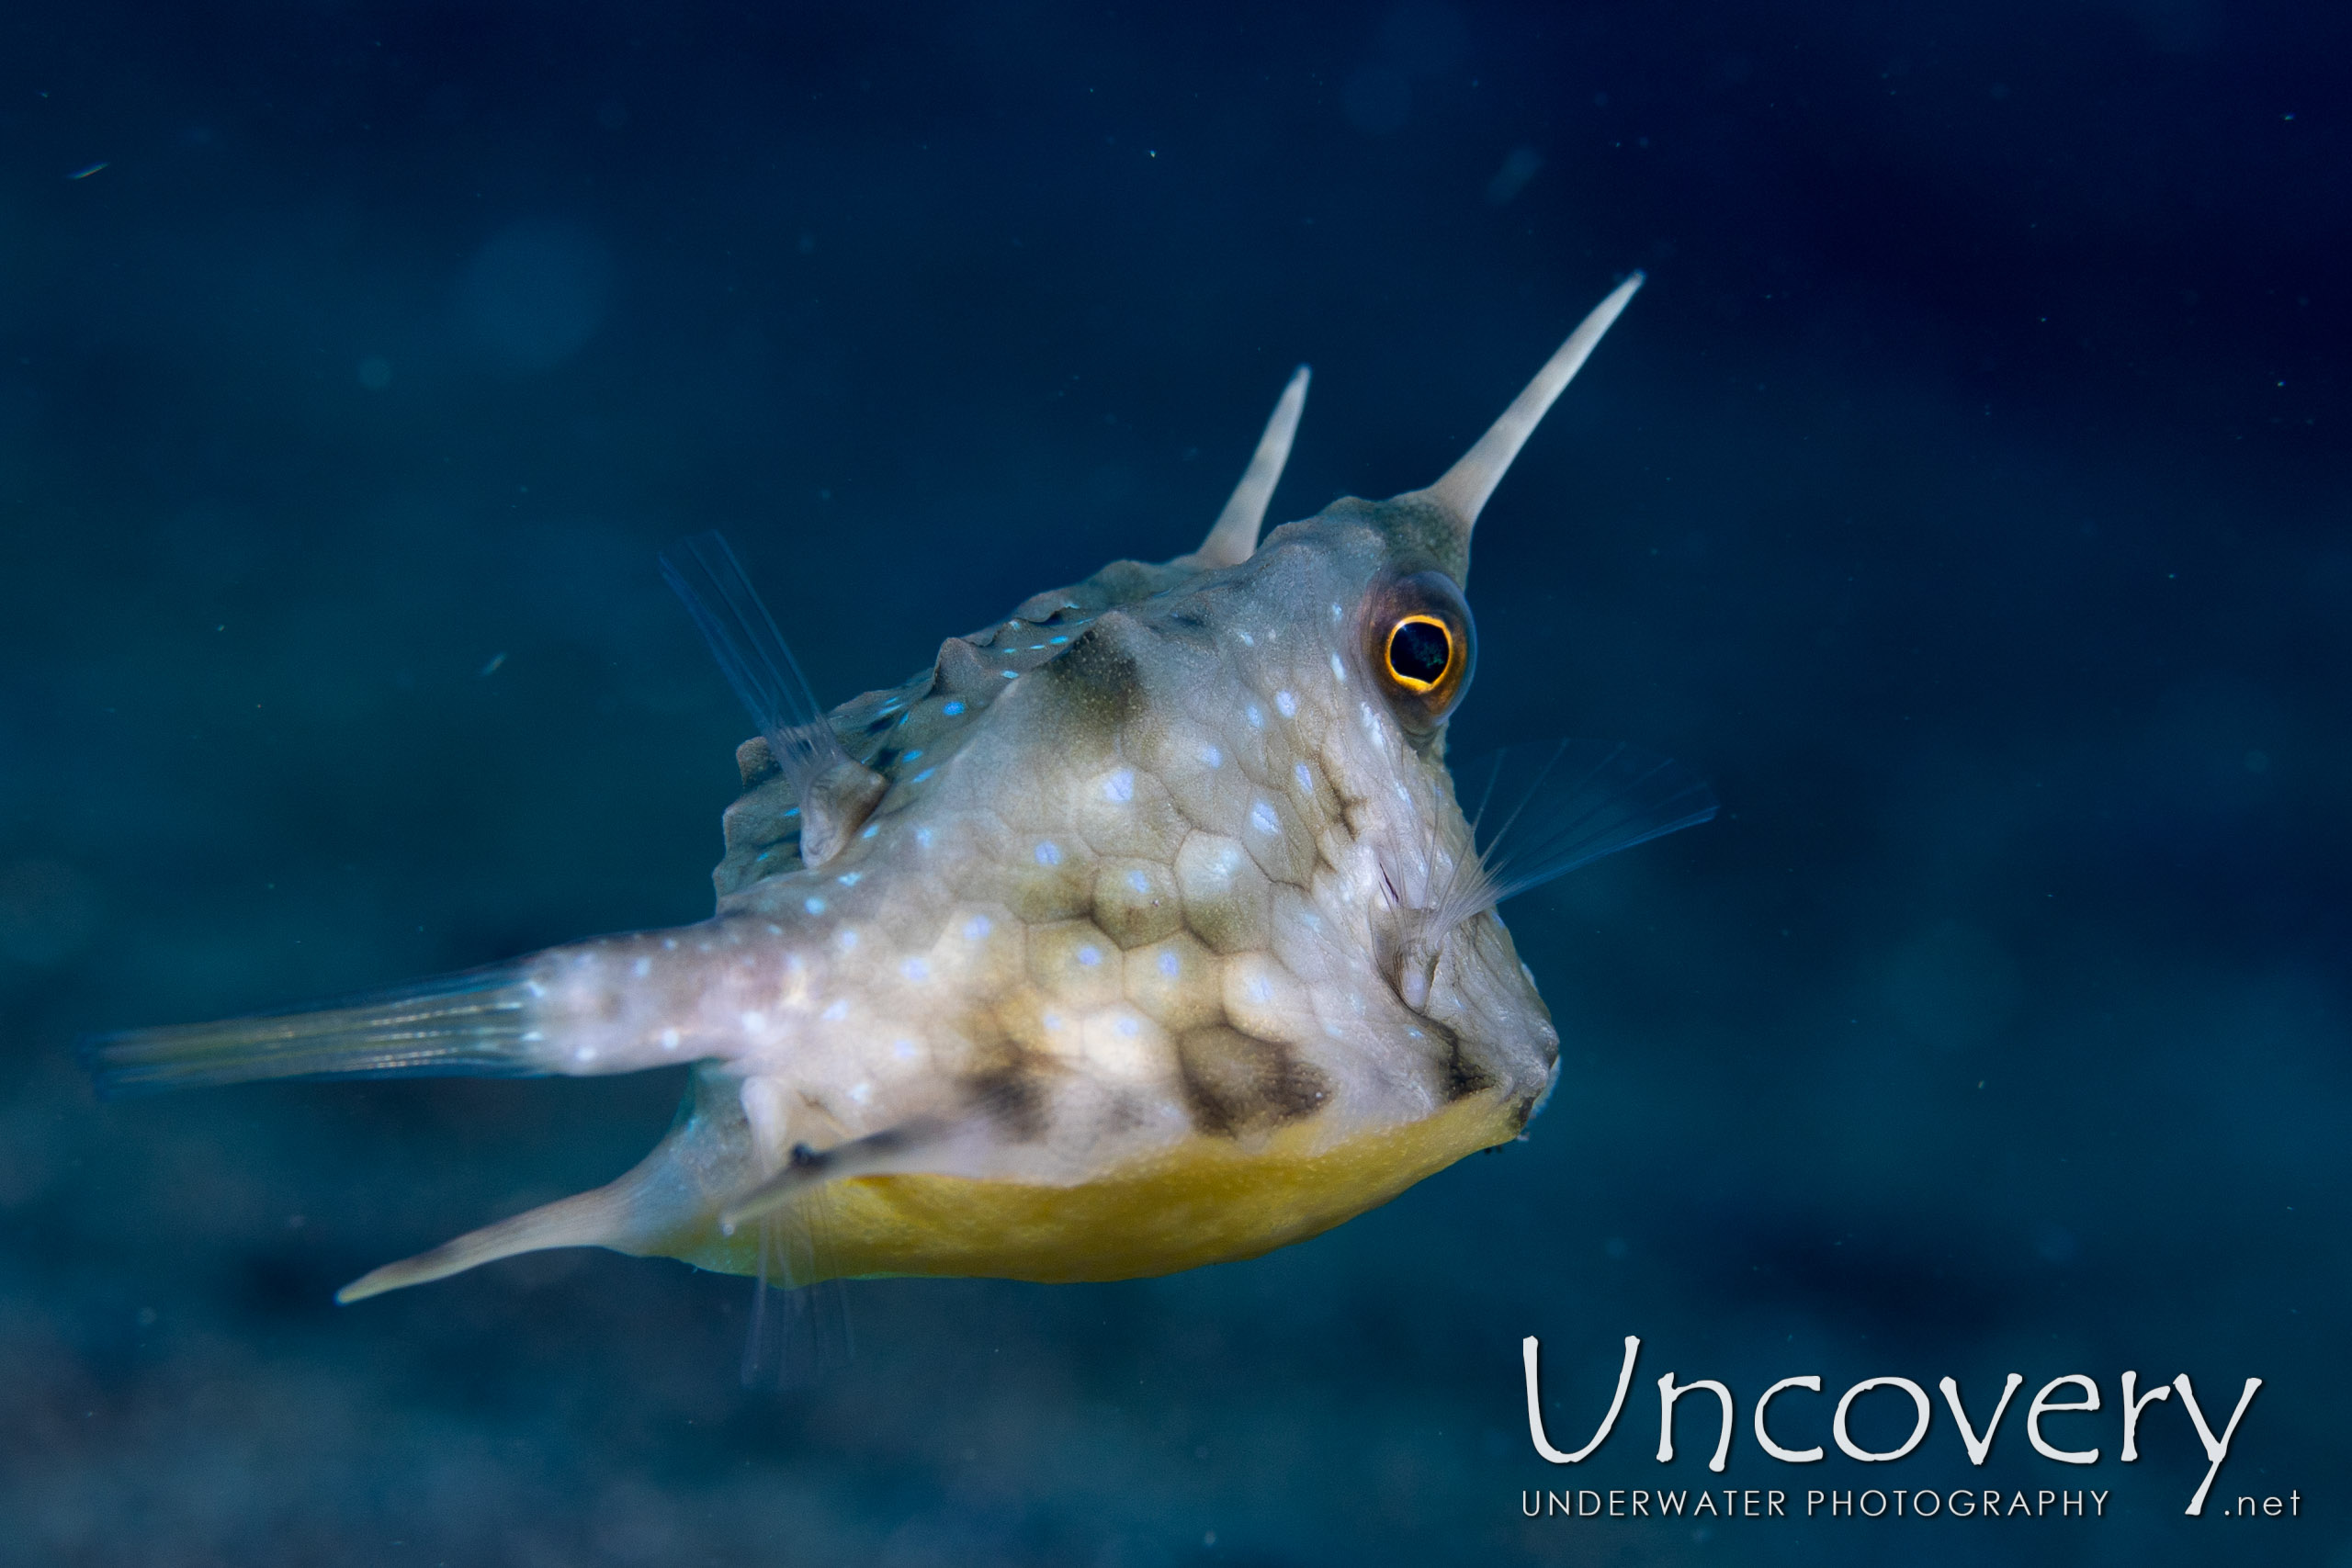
474	1024
1463	492
800	1332
836	792
1541	811
1234	536
742	636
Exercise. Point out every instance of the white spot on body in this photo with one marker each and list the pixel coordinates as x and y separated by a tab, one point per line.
904	1050
976	927
1338	670
834	1012
1286	703
915	969
1119	786
1140	882
923	837
814	906
1212	756
1247	640
1089	955
848	939
848	878
1169	964
1257	715
669	1040
1305	775
951	709
1262	817
1048	852
586	1053
859	1093
641	968
754	1022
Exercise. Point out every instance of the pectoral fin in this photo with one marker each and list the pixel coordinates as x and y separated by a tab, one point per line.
924	1144
1541	811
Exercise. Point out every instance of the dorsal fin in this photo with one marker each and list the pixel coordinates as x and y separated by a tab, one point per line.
836	792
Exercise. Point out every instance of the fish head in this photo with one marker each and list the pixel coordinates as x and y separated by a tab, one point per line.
1294	707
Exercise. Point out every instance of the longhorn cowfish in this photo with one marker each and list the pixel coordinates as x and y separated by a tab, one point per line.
1143	931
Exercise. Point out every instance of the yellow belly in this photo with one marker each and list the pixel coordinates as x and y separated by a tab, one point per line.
1209	1201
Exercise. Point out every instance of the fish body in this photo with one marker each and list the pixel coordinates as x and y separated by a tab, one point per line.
1142	931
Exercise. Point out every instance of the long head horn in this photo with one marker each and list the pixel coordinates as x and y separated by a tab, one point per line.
1236	533
1463	492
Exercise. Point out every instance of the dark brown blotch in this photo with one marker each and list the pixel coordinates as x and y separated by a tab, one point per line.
1236	1084
1012	1095
1460	1073
1096	680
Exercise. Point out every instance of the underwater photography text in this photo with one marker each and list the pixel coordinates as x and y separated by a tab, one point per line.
2068	1394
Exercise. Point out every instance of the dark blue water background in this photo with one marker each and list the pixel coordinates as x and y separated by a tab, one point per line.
1967	496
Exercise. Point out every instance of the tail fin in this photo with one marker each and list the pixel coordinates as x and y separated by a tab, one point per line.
475	1025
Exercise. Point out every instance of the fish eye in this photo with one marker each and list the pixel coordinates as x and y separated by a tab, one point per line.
1419	652
1420	643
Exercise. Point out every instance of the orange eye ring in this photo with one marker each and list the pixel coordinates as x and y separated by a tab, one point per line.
1434	657
1420	648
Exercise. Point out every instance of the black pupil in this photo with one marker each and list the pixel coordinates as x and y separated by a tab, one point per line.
1419	651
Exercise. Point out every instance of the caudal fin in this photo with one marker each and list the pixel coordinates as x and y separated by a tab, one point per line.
474	1024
